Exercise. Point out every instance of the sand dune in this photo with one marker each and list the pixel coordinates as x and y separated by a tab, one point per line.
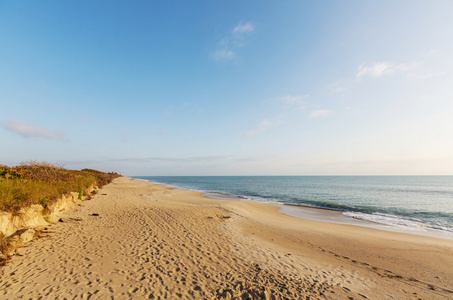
147	241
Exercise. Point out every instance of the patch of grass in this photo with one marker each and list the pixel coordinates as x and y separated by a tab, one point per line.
43	202
43	183
79	191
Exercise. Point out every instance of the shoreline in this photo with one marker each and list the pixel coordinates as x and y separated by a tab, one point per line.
138	240
322	214
337	217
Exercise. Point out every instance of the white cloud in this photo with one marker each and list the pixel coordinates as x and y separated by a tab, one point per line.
232	42
375	70
320	113
294	99
378	69
223	54
27	130
247	27
298	101
268	123
262	127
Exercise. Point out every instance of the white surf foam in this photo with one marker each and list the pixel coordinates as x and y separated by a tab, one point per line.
397	221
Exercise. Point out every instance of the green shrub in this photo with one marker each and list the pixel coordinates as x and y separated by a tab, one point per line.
43	202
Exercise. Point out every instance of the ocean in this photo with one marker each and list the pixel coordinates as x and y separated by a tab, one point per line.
409	202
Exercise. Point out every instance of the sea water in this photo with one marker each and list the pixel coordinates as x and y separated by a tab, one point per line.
410	202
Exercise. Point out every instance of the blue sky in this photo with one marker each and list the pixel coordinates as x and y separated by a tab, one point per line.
229	87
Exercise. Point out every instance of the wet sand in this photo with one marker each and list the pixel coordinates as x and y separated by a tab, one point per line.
147	241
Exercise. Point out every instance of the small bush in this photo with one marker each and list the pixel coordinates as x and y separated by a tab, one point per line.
43	202
79	190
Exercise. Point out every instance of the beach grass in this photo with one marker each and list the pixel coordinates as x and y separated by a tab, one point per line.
43	182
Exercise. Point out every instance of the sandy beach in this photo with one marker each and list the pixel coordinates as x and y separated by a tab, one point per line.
137	240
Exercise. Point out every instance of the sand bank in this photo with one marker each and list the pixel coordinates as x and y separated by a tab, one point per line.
136	240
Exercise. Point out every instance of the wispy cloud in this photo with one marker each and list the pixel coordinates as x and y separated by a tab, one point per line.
297	100
143	160
234	40
27	130
262	127
379	69
320	113
223	54
188	159
243	27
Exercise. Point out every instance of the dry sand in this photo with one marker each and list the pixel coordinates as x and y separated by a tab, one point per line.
151	242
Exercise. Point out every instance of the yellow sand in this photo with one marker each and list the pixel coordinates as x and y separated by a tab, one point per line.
151	242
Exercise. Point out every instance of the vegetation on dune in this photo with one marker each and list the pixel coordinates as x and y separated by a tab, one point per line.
42	183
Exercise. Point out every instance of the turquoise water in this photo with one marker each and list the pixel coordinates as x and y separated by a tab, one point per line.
405	201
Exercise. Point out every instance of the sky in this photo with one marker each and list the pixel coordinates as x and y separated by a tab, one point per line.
229	87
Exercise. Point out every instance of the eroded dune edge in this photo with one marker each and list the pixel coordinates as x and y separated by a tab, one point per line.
137	240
